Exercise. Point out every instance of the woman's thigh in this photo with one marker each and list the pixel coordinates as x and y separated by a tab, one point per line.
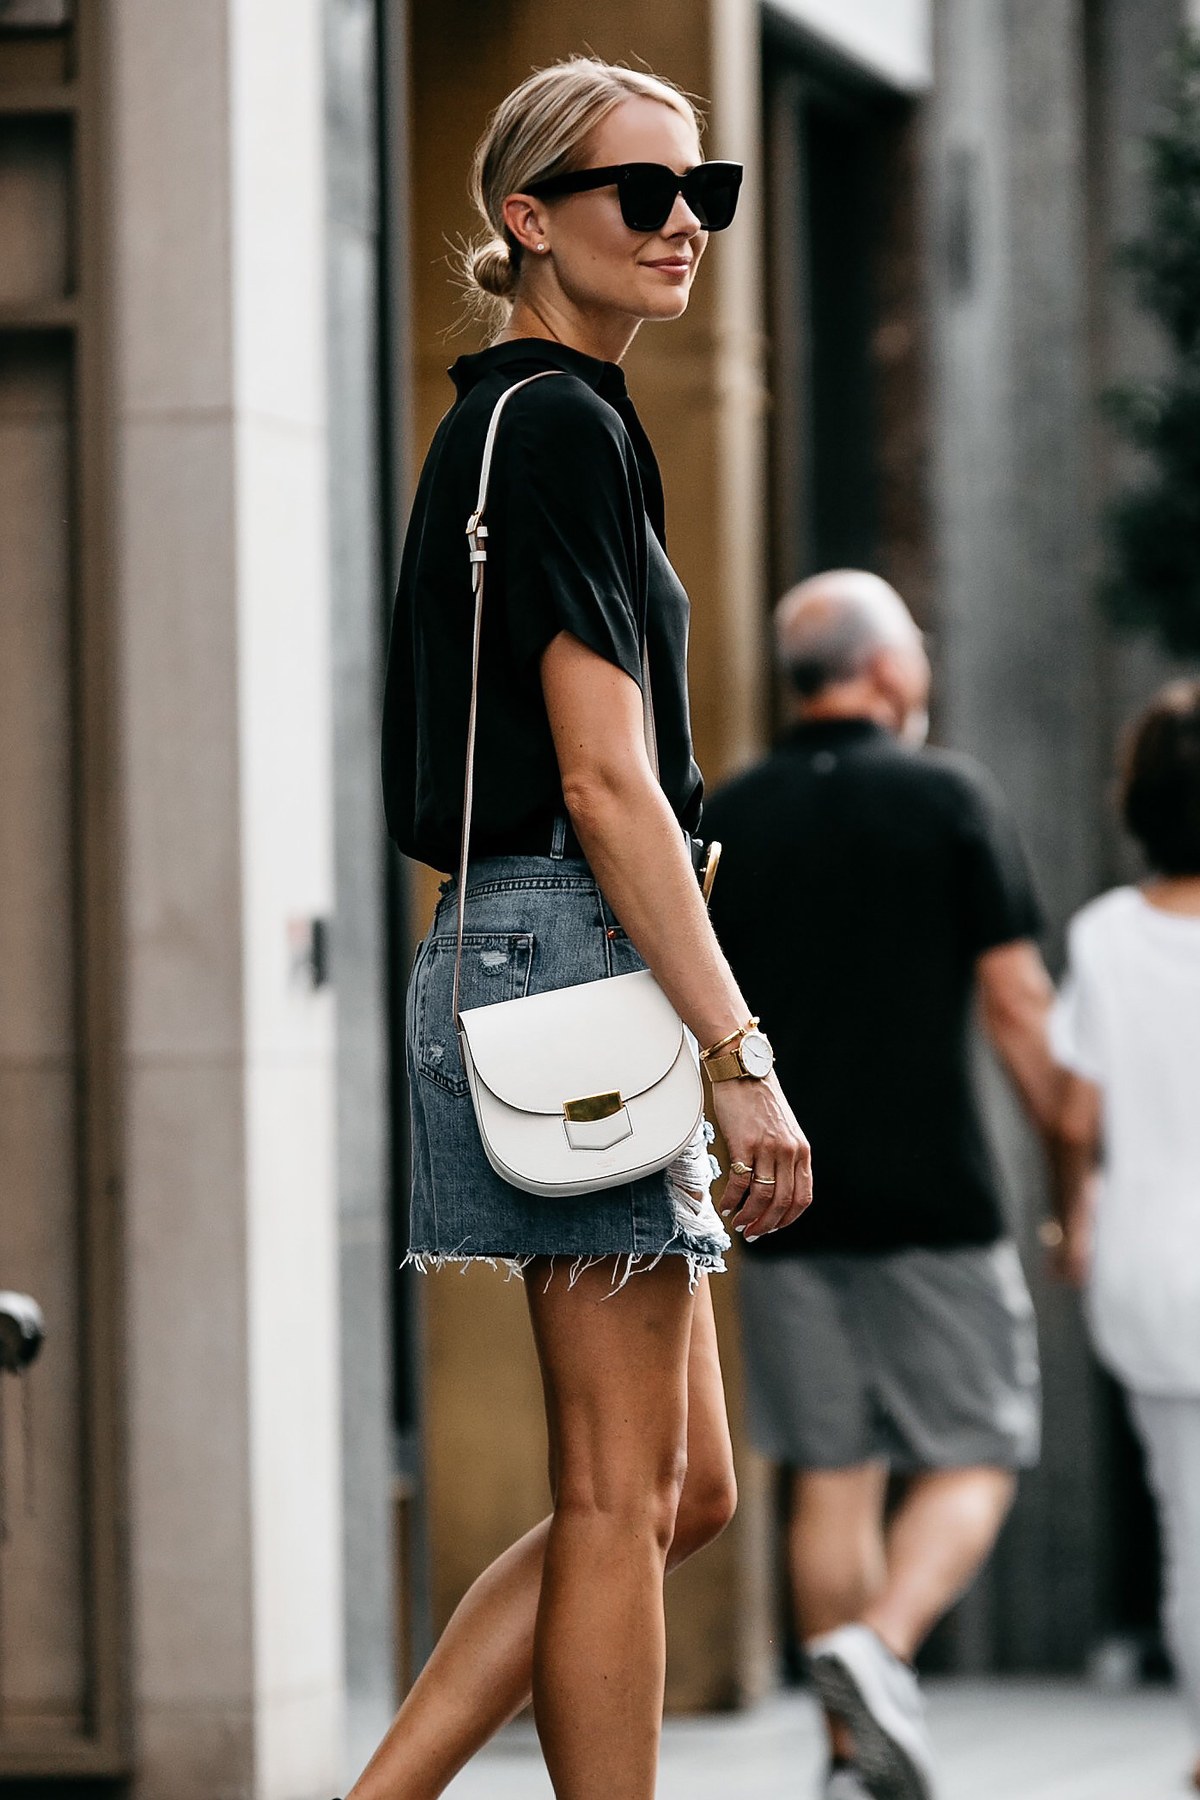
614	1364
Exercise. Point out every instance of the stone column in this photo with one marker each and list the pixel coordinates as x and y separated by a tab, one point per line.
222	590
1019	641
359	949
1036	176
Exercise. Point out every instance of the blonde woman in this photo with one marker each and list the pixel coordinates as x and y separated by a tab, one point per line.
598	205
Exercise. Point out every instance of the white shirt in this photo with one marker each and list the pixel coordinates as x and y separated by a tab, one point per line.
1128	1019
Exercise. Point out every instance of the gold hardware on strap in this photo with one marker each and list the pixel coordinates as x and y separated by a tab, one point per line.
592	1107
710	870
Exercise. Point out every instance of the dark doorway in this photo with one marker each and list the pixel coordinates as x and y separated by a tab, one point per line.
842	255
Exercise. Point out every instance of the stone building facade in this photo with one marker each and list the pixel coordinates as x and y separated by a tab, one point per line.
264	1464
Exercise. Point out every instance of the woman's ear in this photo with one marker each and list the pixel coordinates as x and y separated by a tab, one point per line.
526	219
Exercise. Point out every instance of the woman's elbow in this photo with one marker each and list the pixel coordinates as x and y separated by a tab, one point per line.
596	796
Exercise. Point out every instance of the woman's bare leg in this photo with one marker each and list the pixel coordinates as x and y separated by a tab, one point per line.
614	1372
480	1674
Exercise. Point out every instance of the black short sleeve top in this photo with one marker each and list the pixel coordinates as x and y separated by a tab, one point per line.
576	542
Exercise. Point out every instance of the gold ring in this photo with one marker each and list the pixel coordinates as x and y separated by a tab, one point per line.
765	1180
740	1168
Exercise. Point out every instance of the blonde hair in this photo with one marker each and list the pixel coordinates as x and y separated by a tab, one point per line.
542	129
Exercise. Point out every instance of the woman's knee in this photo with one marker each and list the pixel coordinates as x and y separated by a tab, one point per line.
706	1506
633	1501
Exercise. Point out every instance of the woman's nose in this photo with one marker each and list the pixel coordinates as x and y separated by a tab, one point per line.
683	222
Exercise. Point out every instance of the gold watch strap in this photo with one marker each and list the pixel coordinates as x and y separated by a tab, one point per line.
724	1068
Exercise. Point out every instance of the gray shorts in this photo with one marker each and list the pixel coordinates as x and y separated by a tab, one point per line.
924	1359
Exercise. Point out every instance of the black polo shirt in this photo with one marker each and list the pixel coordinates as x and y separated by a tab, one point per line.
859	883
576	543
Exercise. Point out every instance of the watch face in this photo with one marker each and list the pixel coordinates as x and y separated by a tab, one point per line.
758	1058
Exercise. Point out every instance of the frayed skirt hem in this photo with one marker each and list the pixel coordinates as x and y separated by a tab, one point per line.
705	1256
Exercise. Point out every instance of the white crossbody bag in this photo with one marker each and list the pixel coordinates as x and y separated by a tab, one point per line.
584	1087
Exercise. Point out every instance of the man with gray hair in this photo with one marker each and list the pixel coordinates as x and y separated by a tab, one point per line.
873	891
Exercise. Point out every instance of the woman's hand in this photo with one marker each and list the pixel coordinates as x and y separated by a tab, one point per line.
761	1131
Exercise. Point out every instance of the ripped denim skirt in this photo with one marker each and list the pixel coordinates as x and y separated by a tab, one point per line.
533	923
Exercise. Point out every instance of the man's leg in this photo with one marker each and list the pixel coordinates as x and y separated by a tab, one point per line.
846	1569
836	1556
935	1542
938	1539
836	1552
941	1532
948	1340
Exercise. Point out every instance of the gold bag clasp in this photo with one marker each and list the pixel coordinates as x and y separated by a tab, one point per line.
592	1107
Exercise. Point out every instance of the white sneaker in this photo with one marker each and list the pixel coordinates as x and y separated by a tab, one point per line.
845	1784
860	1681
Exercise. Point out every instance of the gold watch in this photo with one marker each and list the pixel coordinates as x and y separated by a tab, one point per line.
745	1055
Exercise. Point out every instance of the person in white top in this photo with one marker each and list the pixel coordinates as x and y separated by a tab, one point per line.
1126	1029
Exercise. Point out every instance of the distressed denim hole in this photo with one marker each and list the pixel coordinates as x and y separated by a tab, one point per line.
495	967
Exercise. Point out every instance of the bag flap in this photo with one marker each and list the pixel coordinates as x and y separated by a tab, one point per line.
620	1035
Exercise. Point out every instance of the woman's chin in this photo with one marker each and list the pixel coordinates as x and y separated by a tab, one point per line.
666	302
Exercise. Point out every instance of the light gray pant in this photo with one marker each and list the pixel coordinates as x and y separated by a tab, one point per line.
1169	1427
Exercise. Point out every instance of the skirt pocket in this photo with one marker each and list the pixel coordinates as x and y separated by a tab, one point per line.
495	966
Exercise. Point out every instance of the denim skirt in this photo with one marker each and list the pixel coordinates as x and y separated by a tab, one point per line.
533	923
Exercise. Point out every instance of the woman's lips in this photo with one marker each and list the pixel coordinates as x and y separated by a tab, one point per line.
671	265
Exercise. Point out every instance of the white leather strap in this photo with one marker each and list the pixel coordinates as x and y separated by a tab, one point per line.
477	540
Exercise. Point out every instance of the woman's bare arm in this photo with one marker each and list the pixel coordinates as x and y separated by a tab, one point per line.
636	852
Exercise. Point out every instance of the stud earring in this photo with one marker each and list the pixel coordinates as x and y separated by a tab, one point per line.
541	249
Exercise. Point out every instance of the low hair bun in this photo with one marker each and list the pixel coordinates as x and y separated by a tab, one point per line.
491	268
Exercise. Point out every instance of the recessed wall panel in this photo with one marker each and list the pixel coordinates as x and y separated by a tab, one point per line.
35	209
43	1626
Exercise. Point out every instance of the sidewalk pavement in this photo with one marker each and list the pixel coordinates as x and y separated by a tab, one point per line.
997	1740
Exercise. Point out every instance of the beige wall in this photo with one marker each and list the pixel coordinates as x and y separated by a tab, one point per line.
699	387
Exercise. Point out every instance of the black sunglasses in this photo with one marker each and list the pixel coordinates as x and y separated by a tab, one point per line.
648	191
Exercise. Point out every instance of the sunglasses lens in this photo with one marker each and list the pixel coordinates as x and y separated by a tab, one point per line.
712	192
647	194
648	191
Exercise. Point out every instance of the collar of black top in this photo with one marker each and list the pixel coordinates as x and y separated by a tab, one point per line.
527	356
818	734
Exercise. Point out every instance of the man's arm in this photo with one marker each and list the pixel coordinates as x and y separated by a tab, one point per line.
1015	997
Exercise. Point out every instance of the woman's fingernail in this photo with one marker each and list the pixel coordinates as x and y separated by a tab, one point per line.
753	1238
739	1228
728	1213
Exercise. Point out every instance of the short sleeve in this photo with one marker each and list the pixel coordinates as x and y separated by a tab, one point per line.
574	532
1000	901
1074	1023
